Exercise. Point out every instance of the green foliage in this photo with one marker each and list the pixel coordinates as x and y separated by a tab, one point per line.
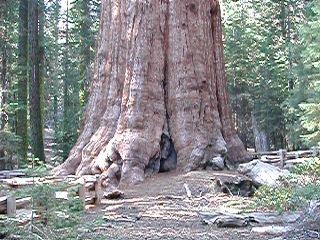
294	191
72	68
272	55
8	61
9	142
304	104
38	170
67	65
9	149
310	117
260	52
311	167
284	198
275	198
59	218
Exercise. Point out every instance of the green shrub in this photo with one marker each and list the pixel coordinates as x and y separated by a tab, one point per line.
284	198
9	149
59	218
311	167
274	198
304	194
39	170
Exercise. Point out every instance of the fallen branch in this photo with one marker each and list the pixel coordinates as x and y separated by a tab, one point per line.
242	220
186	187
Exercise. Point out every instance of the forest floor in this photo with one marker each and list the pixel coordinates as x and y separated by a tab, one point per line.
160	209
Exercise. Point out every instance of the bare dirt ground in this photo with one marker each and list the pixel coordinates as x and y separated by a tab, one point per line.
160	209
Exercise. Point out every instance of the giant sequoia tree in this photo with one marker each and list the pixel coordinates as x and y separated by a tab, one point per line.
158	97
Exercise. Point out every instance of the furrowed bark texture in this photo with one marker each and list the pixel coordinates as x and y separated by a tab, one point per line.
158	96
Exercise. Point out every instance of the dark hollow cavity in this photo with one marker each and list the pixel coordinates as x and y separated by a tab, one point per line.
168	155
165	160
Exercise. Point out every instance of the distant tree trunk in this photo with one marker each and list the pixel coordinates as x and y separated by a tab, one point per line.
66	97
86	42
4	87
159	88
41	53
56	63
36	55
22	120
260	137
3	91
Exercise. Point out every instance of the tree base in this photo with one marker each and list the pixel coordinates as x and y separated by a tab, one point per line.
159	98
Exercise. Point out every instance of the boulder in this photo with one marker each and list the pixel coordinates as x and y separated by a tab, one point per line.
216	163
262	173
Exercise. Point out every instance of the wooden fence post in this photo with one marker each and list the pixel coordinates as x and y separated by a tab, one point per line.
282	155
11	206
83	193
315	151
98	191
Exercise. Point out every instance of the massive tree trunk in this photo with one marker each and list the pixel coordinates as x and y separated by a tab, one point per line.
158	98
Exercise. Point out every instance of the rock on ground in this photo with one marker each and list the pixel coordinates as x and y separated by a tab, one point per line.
262	173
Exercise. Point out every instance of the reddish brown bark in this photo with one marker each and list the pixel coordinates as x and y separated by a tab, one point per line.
236	152
159	91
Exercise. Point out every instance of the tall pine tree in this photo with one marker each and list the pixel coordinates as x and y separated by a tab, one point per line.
22	118
35	78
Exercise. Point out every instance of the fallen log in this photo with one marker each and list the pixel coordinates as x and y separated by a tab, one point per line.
90	186
265	153
245	219
3	200
89	200
20	182
122	218
224	220
7	174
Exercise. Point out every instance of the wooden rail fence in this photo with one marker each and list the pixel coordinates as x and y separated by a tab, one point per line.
88	191
282	157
